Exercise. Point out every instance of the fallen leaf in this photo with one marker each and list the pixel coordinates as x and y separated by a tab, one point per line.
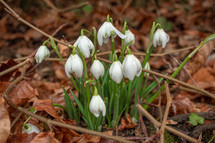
4	122
22	93
45	105
86	138
3	86
184	105
6	65
47	137
126	124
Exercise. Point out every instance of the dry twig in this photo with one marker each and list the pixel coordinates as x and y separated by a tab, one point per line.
168	104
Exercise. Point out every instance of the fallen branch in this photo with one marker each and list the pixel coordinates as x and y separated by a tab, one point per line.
154	121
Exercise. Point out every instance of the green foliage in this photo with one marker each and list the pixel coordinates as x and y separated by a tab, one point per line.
195	119
166	25
87	8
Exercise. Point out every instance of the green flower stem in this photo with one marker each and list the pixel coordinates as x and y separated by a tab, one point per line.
112	45
95	39
29	118
128	97
116	107
122	42
84	30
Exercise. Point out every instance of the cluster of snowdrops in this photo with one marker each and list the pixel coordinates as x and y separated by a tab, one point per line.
105	91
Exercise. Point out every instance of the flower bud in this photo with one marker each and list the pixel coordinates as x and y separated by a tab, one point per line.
97	105
42	52
147	66
97	69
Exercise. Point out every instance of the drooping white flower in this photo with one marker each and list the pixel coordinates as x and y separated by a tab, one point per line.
129	37
147	66
160	38
107	30
97	105
115	71
74	64
42	52
31	129
131	66
85	45
97	69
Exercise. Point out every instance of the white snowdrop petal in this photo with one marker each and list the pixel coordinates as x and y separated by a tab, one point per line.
85	45
97	69
74	64
115	72
107	30
97	105
100	34
129	37
139	66
160	38
129	67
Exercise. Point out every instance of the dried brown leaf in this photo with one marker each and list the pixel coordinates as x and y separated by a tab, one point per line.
47	137
6	65
22	93
4	122
45	105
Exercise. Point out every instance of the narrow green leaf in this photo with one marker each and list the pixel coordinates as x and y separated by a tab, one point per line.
68	104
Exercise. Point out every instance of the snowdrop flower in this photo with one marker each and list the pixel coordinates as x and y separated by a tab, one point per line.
97	69
107	30
147	66
30	129
129	37
131	66
115	71
42	52
160	38
74	64
97	105
85	45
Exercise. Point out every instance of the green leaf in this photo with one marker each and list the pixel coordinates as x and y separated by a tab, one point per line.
195	119
79	104
68	104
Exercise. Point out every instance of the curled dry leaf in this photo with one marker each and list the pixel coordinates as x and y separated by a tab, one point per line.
4	122
126	124
22	93
47	137
45	105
